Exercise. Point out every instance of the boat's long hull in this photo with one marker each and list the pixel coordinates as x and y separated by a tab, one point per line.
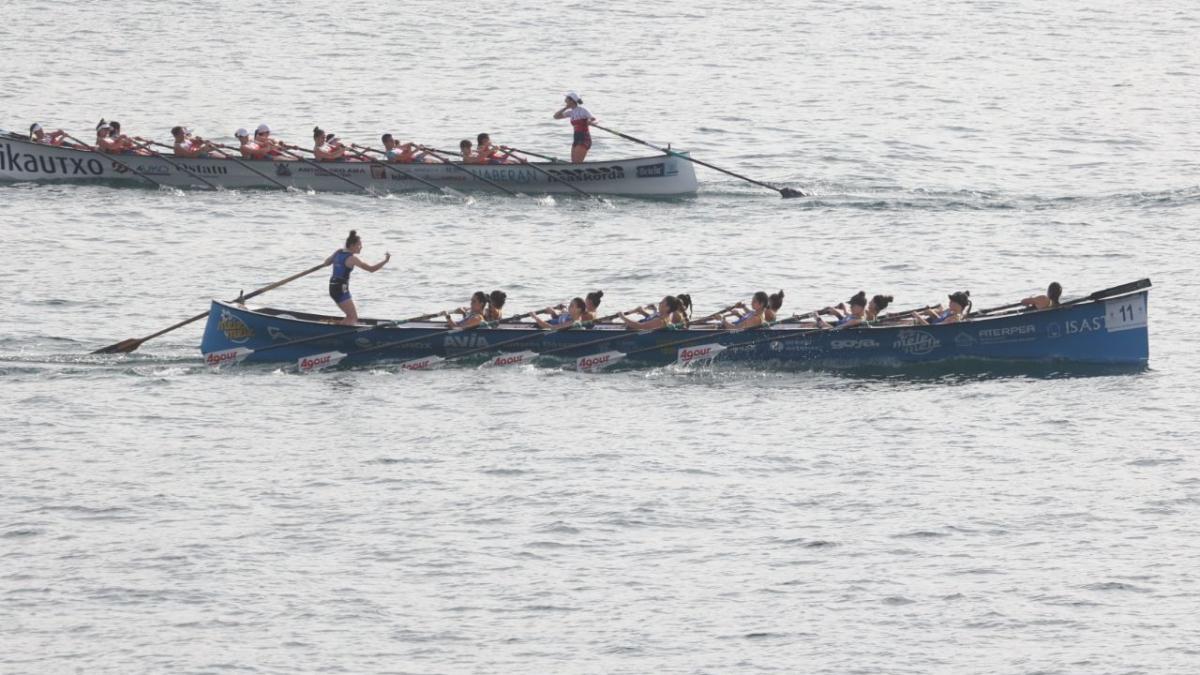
1109	332
21	160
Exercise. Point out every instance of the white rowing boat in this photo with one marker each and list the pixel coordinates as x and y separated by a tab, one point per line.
22	160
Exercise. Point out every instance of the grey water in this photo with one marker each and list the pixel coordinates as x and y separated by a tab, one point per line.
158	517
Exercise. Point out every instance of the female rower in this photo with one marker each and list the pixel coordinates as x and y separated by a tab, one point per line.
344	260
248	147
104	139
474	315
400	153
591	304
327	150
494	311
190	146
464	149
861	311
562	320
1050	299
774	302
486	153
960	305
580	119
754	317
124	144
39	135
268	148
672	310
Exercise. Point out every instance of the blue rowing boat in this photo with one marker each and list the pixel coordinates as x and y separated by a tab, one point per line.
1105	328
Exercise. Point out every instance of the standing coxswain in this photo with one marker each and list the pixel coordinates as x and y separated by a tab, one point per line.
344	260
581	119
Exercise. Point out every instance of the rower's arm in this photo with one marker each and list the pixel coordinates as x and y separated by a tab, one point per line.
371	268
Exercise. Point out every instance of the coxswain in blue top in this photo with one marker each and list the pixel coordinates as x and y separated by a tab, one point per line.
344	260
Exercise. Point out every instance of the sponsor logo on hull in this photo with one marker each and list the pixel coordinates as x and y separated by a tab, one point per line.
234	328
43	165
915	342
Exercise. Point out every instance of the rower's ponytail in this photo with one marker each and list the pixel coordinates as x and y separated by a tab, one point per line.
881	302
497	298
594	297
685	301
775	300
481	298
761	298
352	239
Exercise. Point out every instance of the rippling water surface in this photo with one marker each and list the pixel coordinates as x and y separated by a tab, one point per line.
157	517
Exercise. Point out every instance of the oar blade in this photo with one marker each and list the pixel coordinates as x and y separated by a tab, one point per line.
122	347
227	357
426	363
511	359
309	364
790	193
594	363
696	354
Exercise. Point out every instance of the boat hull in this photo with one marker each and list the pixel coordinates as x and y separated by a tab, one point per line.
1106	332
24	161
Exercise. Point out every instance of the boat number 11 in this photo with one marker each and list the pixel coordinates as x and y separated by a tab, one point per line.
1125	313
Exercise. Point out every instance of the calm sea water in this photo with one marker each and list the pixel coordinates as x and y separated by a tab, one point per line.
156	517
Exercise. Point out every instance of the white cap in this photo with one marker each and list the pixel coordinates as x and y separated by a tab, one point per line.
35	127
574	97
263	128
241	133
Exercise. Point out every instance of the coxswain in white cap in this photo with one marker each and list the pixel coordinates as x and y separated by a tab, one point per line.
580	120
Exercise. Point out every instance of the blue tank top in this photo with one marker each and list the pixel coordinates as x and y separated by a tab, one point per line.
942	317
560	319
744	318
340	271
842	321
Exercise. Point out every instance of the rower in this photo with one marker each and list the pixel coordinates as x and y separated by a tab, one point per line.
774	302
104	139
400	154
464	149
268	148
580	120
38	135
187	145
754	317
562	320
326	148
494	311
854	317
124	144
592	303
1050	299
960	305
672	311
344	260
247	146
473	316
486	153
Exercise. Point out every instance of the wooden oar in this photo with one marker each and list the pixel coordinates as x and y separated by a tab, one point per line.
354	150
117	161
467	171
786	192
146	143
289	150
130	344
552	160
229	155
